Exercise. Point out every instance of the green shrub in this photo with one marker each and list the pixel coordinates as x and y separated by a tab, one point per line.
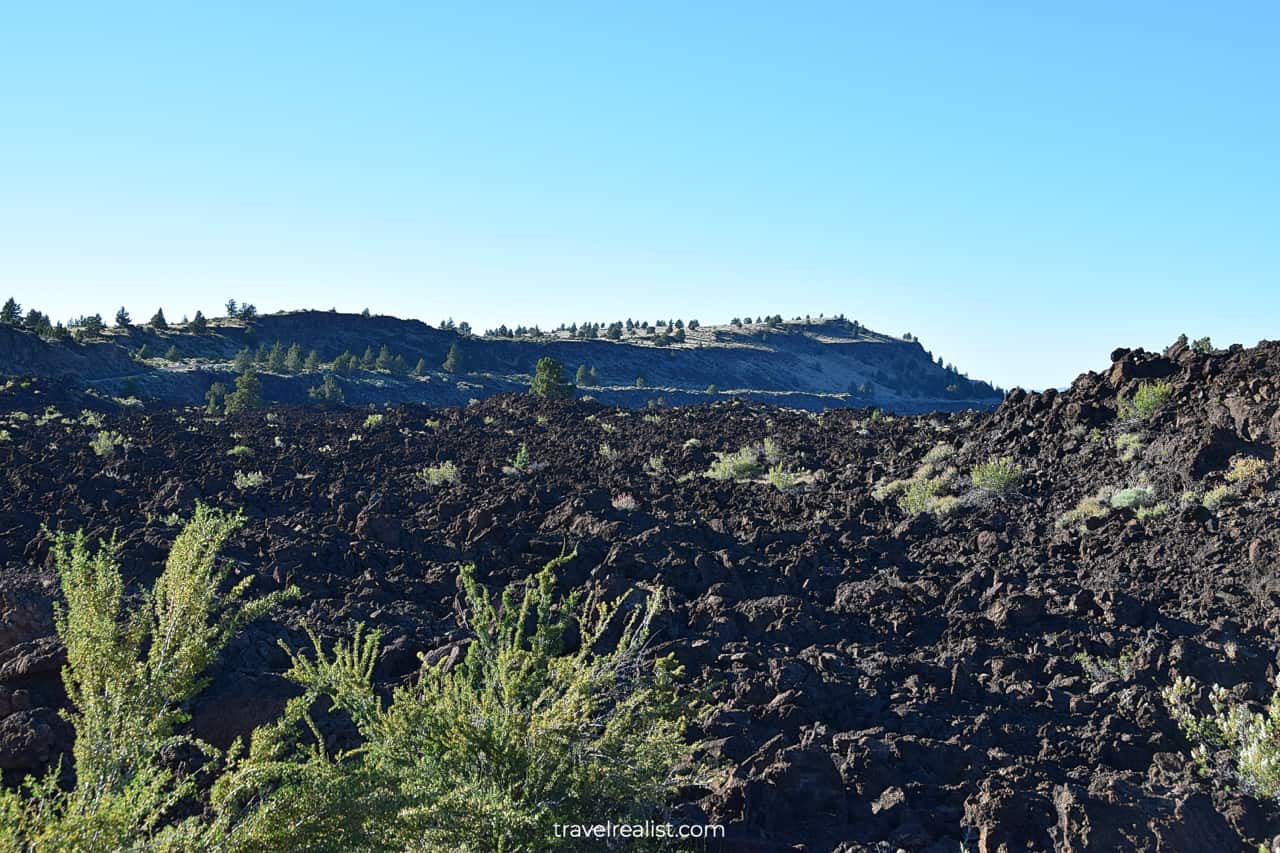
1091	507
921	494
130	672
1203	345
743	464
938	454
1153	511
248	481
996	476
373	421
1128	444
521	461
1146	401
240	451
656	465
488	755
105	443
1134	498
1245	468
443	474
1251	740
608	453
783	479
1216	497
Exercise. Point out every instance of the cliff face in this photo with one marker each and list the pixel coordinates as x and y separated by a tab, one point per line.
805	364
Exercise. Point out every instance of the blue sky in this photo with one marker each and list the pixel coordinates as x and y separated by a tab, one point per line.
1022	187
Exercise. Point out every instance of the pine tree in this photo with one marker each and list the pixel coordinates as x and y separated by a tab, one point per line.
214	398
548	380
248	393
370	359
420	369
328	390
199	325
11	313
454	363
157	321
312	363
243	361
122	319
233	310
141	353
275	358
583	376
293	361
172	354
383	361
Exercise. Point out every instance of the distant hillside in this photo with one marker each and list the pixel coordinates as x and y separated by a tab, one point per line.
810	364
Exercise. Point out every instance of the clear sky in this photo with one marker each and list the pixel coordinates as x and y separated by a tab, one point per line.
1024	186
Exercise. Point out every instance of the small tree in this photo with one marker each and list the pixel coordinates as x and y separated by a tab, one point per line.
328	391
215	398
233	310
172	354
141	354
312	362
11	313
157	320
420	369
454	362
370	358
248	311
199	325
122	319
276	357
548	380
92	326
293	360
248	393
583	376
243	361
383	361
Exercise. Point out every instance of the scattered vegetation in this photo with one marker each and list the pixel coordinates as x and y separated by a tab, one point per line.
523	733
240	451
625	502
373	421
608	453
